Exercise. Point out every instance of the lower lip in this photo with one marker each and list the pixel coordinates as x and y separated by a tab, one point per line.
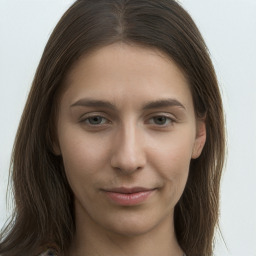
129	199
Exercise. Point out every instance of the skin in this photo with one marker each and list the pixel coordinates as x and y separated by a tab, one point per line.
127	145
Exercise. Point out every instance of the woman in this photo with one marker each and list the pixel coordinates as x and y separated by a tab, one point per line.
121	144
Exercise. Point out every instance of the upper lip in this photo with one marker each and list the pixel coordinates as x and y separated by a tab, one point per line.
124	190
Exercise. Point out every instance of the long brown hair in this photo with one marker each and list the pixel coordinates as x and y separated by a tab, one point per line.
43	214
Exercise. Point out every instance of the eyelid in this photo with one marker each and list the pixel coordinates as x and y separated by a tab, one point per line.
86	116
169	116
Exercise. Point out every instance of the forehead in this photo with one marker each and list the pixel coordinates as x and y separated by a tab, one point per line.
131	57
118	71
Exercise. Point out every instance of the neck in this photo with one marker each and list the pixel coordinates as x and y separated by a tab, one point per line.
92	240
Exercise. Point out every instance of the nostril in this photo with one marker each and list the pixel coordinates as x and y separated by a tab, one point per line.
126	170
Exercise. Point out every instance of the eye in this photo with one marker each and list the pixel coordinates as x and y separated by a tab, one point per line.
95	120
161	120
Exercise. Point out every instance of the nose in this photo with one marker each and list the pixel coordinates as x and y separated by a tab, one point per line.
128	155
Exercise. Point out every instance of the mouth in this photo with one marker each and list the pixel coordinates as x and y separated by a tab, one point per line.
129	196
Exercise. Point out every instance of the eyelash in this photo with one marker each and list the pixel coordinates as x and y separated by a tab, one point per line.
86	120
165	117
170	121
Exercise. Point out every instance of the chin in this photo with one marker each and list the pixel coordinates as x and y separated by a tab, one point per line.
132	225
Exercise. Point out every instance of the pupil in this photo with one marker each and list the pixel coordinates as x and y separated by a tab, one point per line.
95	120
160	120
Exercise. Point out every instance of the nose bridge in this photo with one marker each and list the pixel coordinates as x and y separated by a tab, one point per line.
128	155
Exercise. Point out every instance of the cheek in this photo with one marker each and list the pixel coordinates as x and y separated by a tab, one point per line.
83	157
172	158
173	167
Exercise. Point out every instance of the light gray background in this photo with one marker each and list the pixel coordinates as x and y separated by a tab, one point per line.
229	28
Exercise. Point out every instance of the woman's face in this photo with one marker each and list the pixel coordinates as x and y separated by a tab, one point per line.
127	132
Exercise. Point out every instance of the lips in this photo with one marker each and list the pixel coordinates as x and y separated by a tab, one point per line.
128	196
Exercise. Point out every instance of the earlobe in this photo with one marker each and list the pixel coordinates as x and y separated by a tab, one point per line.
200	139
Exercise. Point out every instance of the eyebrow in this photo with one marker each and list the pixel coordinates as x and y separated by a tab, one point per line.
149	105
94	103
163	103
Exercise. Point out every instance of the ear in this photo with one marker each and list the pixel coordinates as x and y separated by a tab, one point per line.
200	138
